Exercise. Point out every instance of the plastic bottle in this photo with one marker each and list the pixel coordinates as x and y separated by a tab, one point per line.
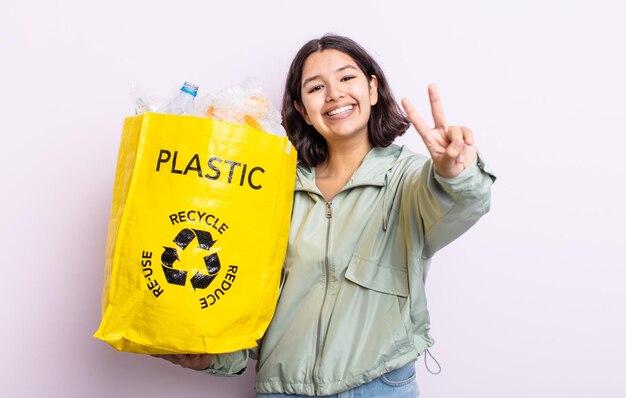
182	104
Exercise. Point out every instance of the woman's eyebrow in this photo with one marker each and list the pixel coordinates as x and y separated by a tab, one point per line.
310	79
345	67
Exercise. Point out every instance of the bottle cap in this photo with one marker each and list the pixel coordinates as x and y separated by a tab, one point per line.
189	88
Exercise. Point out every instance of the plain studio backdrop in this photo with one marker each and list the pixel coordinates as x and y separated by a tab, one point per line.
528	303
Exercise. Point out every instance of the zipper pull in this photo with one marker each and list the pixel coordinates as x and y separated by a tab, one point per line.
329	210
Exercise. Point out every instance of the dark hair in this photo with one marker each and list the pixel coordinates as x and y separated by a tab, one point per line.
386	121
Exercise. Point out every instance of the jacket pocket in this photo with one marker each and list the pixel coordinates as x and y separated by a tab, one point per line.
379	277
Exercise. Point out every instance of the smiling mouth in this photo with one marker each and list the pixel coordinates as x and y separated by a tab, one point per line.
341	110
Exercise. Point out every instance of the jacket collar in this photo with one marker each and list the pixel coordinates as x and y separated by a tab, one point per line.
371	172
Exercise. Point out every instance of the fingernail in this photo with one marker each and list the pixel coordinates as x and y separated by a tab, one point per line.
458	144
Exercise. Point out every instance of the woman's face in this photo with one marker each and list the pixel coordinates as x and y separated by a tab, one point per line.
336	96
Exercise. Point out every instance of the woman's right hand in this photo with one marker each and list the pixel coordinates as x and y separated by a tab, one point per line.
189	361
451	147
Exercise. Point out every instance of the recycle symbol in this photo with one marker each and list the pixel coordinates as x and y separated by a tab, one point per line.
170	256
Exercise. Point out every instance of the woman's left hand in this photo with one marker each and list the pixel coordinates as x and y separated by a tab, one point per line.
451	147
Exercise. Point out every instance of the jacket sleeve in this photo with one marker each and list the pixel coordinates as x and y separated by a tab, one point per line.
448	207
230	364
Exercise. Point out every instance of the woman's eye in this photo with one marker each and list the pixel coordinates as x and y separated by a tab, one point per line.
346	78
315	88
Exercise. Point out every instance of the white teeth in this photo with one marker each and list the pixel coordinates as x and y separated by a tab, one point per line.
340	110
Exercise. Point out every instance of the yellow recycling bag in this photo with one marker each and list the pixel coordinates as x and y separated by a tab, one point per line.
197	235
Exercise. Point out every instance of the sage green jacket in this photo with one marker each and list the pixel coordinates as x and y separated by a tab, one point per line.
352	305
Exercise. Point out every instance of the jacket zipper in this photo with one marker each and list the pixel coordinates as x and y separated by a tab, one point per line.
329	216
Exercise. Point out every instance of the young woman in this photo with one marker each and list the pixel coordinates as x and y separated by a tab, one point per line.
367	218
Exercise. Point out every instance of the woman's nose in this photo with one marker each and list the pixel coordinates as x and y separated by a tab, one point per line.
334	92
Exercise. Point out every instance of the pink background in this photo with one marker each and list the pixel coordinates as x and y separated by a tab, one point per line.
531	302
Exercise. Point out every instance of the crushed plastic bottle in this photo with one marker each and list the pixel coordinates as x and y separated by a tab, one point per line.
182	104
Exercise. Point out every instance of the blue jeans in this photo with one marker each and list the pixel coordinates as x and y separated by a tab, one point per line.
399	383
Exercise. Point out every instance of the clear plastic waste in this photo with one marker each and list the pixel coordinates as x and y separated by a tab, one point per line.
183	104
243	103
144	102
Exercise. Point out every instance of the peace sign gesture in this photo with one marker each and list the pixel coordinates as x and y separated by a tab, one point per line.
451	147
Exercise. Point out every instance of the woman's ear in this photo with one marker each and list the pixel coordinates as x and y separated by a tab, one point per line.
302	110
373	90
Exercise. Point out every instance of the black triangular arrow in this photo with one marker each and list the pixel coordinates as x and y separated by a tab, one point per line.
184	238
212	263
201	281
169	256
205	240
174	276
